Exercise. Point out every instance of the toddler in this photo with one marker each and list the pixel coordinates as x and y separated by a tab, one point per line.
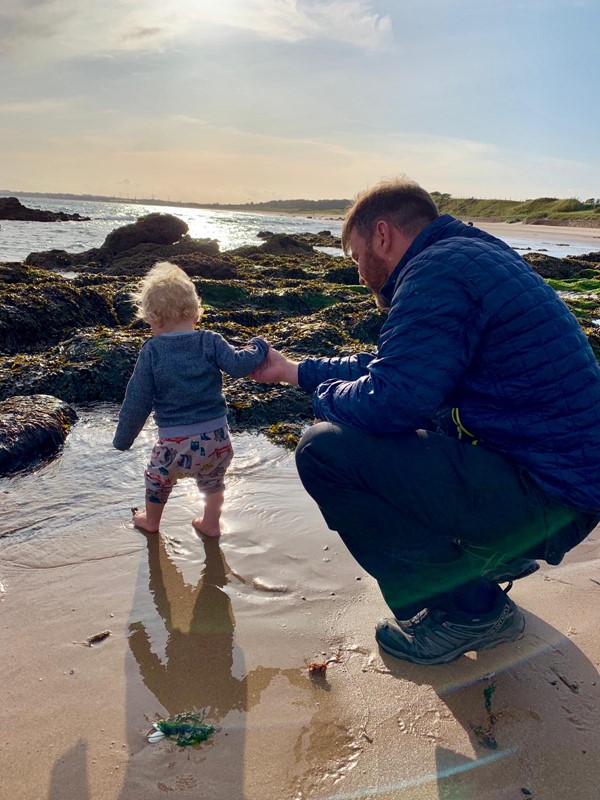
178	376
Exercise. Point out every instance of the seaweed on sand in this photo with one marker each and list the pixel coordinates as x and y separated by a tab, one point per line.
185	729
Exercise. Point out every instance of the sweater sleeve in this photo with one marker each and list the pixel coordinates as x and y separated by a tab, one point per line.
239	362
425	346
313	371
137	405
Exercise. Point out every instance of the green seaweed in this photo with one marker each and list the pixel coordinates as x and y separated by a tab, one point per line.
485	734
186	728
576	284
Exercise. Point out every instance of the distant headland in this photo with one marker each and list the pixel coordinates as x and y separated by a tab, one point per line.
539	211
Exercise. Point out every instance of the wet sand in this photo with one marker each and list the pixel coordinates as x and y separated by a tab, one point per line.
227	626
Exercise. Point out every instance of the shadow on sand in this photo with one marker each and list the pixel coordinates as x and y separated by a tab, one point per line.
531	711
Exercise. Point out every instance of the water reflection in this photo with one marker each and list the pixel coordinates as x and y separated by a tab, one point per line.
197	670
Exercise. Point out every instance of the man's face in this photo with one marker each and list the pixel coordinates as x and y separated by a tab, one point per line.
373	270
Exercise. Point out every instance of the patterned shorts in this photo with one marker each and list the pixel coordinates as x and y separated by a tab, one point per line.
204	456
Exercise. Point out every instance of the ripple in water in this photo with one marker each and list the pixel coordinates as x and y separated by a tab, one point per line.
77	507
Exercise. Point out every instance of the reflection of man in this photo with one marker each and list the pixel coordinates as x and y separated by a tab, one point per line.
197	670
468	444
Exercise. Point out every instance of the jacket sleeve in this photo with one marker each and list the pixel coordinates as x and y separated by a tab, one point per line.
424	349
313	371
137	405
239	362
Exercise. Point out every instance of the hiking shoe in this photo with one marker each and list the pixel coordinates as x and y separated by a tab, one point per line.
511	570
436	636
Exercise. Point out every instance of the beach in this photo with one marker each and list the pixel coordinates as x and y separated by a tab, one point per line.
505	230
229	626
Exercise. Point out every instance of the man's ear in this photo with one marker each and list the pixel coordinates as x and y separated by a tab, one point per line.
382	238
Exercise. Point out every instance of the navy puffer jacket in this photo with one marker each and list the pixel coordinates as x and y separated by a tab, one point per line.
473	329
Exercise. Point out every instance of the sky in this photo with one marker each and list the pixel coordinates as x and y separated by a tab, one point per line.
238	101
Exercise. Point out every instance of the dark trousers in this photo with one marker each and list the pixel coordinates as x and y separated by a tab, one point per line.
426	514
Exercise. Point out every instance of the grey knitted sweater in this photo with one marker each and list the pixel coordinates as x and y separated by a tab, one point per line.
178	375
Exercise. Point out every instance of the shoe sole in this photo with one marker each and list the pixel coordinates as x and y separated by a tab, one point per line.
504	577
447	657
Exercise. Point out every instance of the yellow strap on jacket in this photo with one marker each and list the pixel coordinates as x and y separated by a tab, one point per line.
460	428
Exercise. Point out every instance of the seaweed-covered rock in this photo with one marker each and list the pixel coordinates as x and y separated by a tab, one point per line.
258	406
594	258
36	312
342	273
320	239
12	208
279	244
154	228
32	429
287	434
57	260
553	267
92	365
197	257
131	249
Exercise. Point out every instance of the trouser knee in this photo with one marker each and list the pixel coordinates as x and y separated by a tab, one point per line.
317	458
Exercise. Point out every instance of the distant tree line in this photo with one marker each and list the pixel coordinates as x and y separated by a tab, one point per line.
463	207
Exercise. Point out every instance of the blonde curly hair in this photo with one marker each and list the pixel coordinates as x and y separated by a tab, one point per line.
166	293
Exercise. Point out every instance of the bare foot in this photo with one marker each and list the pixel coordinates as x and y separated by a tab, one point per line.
140	521
206	530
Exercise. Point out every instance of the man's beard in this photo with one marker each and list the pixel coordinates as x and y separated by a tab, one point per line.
378	268
380	301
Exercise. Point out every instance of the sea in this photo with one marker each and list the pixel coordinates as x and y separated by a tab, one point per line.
230	228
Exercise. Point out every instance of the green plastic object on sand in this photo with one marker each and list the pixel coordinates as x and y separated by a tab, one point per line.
186	728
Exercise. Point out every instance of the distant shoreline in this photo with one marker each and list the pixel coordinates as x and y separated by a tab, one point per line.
308	210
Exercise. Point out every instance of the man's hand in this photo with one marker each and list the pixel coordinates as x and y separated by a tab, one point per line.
276	368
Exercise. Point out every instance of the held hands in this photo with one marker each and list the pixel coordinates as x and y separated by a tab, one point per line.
276	368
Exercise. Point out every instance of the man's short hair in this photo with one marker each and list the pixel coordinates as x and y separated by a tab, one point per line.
401	202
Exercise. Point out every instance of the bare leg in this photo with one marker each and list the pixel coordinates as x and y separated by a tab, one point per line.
149	520
209	524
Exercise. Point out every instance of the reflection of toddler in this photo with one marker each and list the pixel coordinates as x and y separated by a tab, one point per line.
178	375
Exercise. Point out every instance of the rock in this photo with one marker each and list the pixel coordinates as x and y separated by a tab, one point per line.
94	364
552	267
153	228
287	434
11	208
198	257
133	249
55	260
343	273
320	239
32	429
591	257
277	244
38	309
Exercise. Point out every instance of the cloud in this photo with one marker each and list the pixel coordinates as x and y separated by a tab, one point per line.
350	21
57	30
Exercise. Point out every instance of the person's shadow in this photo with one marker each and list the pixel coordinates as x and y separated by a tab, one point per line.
531	710
70	770
196	671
